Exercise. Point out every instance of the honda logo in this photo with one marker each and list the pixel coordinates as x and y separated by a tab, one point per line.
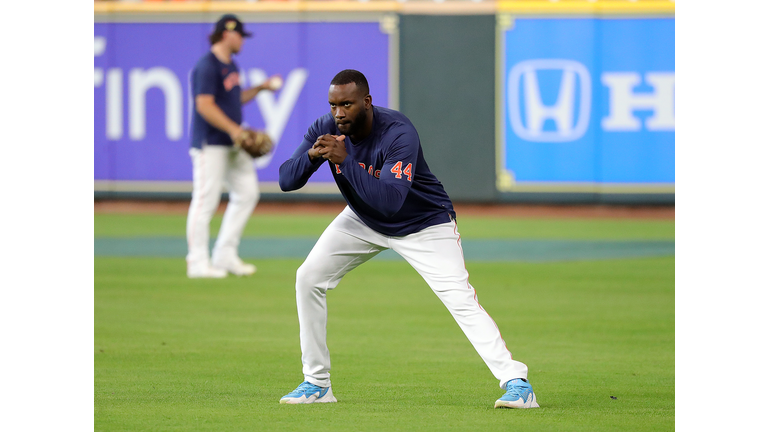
529	114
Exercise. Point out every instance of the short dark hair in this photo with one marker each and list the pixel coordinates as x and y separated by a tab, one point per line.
348	76
215	36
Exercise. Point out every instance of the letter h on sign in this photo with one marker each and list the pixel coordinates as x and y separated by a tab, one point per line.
623	101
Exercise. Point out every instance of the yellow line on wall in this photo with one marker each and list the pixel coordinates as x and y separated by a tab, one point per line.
241	6
587	7
545	7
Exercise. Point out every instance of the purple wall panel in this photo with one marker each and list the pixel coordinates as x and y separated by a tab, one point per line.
141	89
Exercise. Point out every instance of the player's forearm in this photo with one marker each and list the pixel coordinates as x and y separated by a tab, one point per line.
296	171
247	95
216	118
385	198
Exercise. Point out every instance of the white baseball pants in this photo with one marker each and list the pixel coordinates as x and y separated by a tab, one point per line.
434	252
215	167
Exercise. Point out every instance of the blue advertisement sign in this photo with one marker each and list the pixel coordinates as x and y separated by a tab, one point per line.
589	101
142	97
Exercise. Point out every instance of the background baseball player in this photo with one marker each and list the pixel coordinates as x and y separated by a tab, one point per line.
221	155
395	202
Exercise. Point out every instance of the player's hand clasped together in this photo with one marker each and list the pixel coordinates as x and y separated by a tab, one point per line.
394	202
329	147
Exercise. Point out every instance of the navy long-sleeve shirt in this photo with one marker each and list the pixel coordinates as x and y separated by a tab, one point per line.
384	178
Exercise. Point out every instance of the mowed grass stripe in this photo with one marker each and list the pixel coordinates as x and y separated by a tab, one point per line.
143	225
204	355
476	249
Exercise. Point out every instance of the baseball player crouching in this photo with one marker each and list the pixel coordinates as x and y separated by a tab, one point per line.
394	202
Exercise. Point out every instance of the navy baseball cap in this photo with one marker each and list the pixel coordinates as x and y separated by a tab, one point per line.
232	23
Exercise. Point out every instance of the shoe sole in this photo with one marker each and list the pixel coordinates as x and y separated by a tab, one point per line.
206	276
242	273
328	398
237	273
530	403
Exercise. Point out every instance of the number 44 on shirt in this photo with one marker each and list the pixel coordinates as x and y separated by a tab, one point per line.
398	170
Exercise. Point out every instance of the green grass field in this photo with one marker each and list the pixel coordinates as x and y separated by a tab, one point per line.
217	355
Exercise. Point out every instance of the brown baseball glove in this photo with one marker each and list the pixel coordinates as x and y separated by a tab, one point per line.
255	143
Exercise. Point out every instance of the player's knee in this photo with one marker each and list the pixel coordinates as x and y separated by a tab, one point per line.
303	276
308	278
256	196
202	210
251	198
252	192
249	195
460	302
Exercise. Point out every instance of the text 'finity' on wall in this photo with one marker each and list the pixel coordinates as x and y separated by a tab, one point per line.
275	108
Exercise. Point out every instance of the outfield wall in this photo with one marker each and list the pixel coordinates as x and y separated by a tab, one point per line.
520	101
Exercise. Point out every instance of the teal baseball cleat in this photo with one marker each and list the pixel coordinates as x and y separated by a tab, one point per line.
307	393
519	395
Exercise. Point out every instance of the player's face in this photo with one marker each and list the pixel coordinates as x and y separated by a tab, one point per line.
348	106
234	40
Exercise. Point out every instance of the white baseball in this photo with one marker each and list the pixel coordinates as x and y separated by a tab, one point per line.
275	83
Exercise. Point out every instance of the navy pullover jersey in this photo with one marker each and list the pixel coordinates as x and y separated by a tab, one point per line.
212	77
384	179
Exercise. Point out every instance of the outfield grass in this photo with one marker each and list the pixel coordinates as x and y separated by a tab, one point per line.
127	225
179	354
